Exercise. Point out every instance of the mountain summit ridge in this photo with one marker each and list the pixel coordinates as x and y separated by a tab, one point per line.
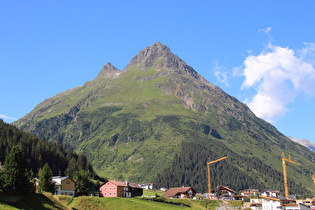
160	57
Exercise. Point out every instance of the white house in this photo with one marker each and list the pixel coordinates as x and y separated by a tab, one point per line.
295	206
148	186
271	193
272	203
64	185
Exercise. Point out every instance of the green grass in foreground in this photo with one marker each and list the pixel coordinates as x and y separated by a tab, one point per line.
97	203
35	201
49	201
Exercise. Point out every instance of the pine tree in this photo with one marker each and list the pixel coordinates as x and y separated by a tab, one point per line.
45	183
15	176
82	183
218	192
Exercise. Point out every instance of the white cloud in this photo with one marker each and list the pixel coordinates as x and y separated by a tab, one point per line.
220	73
265	30
308	53
278	75
6	117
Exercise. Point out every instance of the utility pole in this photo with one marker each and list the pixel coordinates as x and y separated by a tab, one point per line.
209	184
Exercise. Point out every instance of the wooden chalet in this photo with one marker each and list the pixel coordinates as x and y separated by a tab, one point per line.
180	192
225	192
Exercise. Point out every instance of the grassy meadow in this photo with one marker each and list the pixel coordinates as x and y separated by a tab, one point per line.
49	201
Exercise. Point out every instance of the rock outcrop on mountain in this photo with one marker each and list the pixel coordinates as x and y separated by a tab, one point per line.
304	142
109	70
159	120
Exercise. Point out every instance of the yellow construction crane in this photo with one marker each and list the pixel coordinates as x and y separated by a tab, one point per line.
209	186
314	179
285	173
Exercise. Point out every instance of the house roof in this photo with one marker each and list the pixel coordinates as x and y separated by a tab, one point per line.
276	199
239	196
252	190
123	184
225	188
273	191
134	185
173	191
58	179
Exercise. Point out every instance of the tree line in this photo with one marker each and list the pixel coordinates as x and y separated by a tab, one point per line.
26	157
238	172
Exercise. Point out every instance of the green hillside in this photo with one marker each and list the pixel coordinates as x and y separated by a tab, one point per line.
159	120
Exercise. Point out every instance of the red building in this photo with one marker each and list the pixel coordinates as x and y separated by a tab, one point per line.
113	188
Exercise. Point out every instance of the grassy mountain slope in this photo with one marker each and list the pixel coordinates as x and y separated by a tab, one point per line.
137	124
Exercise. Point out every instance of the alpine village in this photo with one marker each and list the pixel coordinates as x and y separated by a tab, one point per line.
156	135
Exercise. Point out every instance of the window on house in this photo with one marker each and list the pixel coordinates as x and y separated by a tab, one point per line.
110	193
105	188
110	188
107	183
67	182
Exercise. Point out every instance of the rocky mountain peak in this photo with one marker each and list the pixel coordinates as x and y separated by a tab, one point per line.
160	57
108	70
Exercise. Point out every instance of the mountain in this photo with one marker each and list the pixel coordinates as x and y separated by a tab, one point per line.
159	120
304	142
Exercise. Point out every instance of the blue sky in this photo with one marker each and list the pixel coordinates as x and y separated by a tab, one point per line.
261	52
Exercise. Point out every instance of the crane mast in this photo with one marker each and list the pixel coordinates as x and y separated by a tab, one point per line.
209	184
285	173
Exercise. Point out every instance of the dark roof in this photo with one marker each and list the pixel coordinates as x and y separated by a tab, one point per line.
134	185
225	188
174	191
